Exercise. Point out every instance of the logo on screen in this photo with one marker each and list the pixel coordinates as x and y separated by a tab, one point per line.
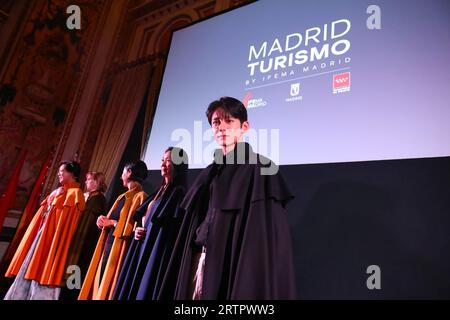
294	93
255	103
295	89
301	51
341	82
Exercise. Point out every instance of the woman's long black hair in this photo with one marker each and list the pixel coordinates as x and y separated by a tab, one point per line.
179	163
179	166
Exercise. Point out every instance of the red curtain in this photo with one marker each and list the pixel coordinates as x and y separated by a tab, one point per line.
28	212
8	197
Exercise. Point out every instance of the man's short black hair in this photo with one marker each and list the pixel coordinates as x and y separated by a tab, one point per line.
230	105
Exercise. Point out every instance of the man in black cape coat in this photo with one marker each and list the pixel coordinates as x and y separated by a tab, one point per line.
234	213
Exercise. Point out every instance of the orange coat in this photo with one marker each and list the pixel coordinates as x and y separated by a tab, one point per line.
101	287
47	265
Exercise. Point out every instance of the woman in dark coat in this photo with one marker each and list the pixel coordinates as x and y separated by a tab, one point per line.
87	232
159	219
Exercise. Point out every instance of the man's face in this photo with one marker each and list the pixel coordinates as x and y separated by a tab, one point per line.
227	129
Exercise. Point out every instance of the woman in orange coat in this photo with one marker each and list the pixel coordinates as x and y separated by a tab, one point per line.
39	262
117	228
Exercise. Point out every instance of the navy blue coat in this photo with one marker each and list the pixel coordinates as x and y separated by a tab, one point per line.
146	261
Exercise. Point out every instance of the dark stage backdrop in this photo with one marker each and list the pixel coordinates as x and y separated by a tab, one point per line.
347	216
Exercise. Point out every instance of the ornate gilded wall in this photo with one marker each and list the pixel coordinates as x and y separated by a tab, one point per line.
58	79
38	84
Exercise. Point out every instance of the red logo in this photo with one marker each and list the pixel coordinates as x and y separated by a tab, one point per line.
341	82
246	98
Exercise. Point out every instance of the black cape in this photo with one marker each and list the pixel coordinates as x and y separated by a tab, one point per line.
249	251
146	261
